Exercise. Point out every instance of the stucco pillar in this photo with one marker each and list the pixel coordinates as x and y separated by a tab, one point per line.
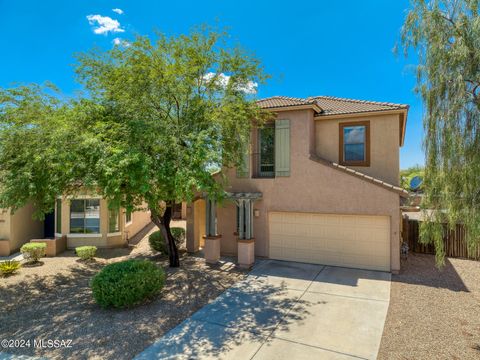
212	239
245	242
246	252
192	242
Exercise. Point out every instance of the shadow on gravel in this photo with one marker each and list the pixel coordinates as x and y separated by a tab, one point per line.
420	269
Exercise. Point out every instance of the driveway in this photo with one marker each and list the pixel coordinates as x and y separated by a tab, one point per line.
286	310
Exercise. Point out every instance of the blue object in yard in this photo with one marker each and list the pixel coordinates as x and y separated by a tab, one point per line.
416	182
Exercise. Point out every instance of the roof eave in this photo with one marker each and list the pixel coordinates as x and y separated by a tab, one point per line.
313	107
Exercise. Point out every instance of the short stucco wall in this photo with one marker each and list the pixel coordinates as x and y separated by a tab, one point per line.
140	219
23	227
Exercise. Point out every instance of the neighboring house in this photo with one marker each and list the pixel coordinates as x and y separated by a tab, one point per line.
87	220
17	229
320	185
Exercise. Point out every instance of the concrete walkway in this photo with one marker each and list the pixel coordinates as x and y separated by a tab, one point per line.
286	310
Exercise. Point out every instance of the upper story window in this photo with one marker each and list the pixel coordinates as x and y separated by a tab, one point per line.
354	143
266	151
85	216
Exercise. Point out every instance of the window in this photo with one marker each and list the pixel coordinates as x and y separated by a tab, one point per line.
128	216
266	145
85	216
113	220
355	143
58	210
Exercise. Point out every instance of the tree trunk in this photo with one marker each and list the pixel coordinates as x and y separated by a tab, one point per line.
163	223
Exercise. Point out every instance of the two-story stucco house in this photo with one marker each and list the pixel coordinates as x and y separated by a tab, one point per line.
319	185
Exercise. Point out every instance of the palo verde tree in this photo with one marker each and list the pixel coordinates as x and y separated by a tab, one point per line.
42	152
157	119
168	112
446	36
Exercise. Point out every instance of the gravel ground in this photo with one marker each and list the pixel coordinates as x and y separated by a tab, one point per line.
54	301
433	314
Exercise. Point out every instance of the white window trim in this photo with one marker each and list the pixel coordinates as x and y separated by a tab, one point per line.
114	234
88	235
58	235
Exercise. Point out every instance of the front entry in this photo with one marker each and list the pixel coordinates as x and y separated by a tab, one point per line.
49	225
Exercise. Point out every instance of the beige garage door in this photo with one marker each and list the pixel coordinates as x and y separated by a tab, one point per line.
340	240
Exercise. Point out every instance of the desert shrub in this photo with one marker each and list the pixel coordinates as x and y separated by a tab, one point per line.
86	252
32	252
9	267
178	234
157	243
127	283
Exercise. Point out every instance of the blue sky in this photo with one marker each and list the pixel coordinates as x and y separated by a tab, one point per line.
337	48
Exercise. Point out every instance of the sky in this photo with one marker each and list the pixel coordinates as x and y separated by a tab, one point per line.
334	48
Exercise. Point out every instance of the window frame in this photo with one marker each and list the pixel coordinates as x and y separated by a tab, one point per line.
265	174
128	217
111	212
84	233
58	216
341	144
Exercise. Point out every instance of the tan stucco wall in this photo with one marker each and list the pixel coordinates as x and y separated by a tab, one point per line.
4	224
104	239
23	227
140	219
311	187
384	144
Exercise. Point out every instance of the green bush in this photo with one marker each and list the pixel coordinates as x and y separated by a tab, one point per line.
86	252
178	235
127	283
9	267
32	252
157	243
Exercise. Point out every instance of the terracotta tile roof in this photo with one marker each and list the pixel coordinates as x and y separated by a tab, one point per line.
335	106
283	101
360	175
329	105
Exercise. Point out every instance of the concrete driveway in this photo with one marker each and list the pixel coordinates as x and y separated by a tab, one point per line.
286	310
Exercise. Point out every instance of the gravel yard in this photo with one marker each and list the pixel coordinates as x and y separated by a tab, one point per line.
54	301
433	314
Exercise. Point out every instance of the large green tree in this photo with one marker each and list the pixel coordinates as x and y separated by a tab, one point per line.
446	37
158	118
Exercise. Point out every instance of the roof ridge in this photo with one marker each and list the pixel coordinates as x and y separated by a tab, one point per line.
307	101
357	101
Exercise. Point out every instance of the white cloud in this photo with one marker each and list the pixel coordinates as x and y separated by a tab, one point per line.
118	41
104	24
355	135
118	11
222	80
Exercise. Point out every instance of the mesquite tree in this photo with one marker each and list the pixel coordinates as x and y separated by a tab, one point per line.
158	118
446	35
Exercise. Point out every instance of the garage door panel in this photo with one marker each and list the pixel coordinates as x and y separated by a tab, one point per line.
339	240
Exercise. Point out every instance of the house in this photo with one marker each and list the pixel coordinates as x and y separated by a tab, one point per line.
320	184
86	219
18	228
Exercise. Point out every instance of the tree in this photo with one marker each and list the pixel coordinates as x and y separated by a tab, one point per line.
446	36
158	118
